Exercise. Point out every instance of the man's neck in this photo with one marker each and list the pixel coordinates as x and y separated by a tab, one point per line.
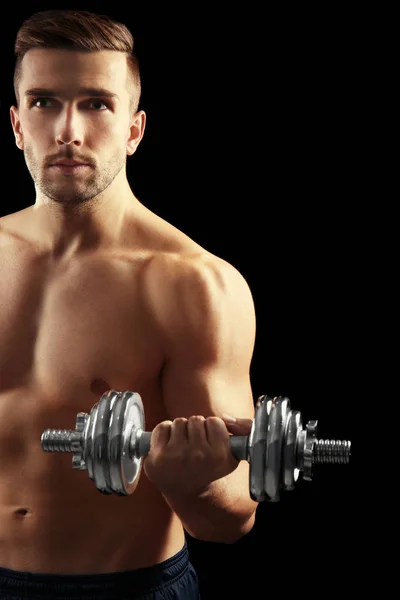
67	231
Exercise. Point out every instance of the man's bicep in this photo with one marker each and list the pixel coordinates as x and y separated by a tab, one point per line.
188	391
207	370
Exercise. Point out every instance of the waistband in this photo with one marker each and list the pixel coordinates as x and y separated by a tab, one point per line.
71	587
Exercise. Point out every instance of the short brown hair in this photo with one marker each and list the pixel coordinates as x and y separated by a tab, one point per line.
76	30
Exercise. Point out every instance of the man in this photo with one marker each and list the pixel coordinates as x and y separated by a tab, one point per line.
99	293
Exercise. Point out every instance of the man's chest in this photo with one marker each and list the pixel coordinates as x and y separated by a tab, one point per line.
75	325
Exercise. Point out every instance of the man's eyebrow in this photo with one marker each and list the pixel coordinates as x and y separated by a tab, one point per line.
84	91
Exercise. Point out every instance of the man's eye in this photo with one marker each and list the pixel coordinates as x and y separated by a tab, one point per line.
99	104
39	102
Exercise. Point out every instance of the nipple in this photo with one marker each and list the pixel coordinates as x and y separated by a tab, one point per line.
22	512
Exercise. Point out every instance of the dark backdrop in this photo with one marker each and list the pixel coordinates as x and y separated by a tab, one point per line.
251	149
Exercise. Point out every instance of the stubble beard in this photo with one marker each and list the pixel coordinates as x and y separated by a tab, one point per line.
74	190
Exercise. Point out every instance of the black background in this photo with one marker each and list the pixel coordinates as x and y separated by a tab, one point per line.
251	149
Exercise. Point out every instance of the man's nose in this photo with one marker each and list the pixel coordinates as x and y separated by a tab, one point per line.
69	128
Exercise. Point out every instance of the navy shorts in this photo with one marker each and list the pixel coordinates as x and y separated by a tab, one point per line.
173	579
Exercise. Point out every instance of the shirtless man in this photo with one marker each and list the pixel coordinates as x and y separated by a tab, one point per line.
99	293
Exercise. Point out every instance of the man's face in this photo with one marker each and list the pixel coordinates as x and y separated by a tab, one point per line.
75	106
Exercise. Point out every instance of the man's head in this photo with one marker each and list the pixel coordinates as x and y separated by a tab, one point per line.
77	85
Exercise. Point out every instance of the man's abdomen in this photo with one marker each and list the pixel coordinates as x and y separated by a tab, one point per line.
52	517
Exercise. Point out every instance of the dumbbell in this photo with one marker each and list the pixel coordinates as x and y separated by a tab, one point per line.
111	442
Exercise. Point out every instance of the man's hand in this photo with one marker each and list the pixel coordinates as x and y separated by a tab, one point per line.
187	455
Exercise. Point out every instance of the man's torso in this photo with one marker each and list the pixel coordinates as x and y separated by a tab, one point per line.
70	331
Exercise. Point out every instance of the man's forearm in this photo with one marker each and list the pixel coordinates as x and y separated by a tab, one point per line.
221	514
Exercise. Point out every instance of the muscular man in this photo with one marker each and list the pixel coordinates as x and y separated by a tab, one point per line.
99	293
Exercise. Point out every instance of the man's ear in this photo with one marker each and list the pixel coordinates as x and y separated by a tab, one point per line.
16	125
136	132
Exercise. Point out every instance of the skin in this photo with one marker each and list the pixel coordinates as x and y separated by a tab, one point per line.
99	293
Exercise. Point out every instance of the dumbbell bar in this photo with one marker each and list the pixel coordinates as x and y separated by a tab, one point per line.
111	442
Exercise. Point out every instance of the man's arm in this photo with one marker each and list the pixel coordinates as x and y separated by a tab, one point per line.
207	319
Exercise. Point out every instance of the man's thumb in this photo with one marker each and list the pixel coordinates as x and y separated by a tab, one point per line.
236	424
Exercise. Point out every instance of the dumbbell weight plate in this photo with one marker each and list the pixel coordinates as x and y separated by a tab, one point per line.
290	470
89	446
96	447
126	419
258	448
278	412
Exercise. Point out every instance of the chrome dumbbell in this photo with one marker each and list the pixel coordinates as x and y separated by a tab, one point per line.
111	442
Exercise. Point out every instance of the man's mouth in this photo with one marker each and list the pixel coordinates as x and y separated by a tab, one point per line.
69	166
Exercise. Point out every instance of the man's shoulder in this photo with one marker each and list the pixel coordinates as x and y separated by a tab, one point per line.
174	253
198	298
198	282
188	265
14	217
13	221
181	265
10	227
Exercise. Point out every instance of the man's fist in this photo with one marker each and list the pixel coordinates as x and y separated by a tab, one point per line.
187	455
